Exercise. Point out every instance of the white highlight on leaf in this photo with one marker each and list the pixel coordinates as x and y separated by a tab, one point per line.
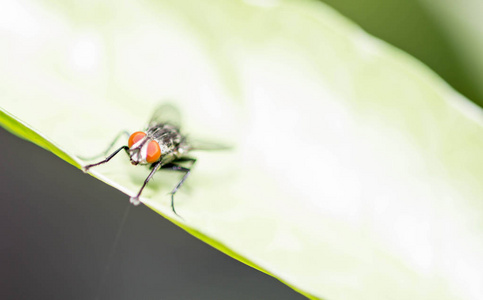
85	53
18	19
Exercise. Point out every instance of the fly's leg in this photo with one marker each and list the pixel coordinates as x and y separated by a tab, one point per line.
187	171
121	134
125	148
135	200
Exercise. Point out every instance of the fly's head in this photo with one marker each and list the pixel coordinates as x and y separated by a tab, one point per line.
142	149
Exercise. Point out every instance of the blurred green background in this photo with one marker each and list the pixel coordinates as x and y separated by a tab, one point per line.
417	29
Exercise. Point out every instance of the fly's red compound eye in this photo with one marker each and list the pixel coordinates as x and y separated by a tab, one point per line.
154	152
135	137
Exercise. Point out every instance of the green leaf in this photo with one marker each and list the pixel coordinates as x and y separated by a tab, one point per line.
355	172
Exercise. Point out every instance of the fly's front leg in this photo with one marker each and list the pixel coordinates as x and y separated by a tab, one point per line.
187	171
120	134
135	200
125	148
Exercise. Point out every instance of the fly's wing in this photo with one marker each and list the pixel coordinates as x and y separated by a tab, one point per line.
207	145
166	114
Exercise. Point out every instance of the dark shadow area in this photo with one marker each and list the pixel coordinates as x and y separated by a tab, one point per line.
57	226
408	26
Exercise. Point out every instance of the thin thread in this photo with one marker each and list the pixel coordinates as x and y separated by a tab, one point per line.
111	252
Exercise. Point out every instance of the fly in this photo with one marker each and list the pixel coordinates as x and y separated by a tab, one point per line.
160	146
